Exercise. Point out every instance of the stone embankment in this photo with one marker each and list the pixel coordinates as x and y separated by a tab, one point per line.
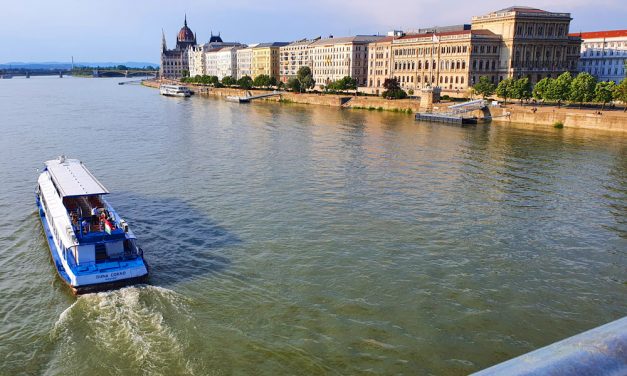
550	115
612	120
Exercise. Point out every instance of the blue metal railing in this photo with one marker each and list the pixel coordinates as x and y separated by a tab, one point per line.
599	351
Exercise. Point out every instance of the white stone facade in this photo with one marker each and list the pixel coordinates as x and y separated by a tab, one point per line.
244	58
294	56
604	54
335	58
227	62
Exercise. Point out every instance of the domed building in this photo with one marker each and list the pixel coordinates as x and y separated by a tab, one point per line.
174	62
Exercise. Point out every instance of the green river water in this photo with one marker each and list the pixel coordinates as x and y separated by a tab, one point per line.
289	239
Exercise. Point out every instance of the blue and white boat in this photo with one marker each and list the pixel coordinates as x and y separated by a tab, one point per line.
92	248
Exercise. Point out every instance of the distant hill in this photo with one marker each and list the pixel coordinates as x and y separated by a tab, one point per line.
60	65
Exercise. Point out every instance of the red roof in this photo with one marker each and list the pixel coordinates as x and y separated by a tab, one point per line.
601	34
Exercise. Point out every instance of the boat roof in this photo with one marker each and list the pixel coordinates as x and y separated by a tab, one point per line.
72	178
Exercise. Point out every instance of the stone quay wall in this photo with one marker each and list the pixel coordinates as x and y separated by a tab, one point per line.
614	120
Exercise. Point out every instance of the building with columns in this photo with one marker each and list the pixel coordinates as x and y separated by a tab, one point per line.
535	43
511	43
175	61
604	54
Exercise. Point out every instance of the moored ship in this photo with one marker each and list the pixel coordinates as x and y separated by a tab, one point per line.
92	247
175	90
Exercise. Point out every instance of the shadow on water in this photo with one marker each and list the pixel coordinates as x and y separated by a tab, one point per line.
180	242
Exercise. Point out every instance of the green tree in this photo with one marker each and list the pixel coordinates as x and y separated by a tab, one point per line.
343	84
228	81
305	78
521	89
185	73
541	88
484	87
214	80
393	89
559	89
245	82
620	93
505	89
263	80
294	84
582	88
272	81
604	92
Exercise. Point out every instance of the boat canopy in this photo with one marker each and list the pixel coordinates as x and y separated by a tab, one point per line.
73	179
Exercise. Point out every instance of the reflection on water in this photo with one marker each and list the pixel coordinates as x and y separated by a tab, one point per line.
288	238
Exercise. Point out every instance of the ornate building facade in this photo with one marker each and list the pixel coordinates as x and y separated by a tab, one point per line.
510	43
535	43
175	61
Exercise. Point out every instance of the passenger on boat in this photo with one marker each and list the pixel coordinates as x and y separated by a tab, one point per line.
85	225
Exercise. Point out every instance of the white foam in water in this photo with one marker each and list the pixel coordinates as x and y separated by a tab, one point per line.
129	325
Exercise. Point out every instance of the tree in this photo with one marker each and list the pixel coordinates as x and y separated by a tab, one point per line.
185	73
214	80
620	93
521	89
559	89
541	88
505	89
305	78
345	83
245	82
263	80
582	88
294	84
272	81
604	92
484	87
393	89
228	81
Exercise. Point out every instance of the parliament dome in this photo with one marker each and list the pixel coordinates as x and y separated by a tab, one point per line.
186	34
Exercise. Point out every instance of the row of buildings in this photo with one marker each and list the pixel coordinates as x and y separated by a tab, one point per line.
510	43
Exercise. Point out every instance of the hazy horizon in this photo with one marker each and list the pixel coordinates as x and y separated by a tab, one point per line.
39	31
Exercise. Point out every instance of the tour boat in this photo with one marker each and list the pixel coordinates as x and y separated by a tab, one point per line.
175	90
92	248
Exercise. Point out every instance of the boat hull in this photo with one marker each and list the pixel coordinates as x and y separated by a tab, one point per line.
84	288
182	95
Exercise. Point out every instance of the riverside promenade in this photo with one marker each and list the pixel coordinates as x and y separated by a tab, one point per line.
548	115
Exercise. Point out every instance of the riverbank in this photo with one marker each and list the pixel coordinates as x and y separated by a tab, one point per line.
609	120
614	120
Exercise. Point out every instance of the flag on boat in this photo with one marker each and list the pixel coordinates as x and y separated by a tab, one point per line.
108	226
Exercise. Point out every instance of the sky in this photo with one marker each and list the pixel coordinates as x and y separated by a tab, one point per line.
130	30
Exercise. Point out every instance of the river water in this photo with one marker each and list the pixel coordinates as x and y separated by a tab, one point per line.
289	239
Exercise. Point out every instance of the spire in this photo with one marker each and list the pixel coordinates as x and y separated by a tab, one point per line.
185	23
163	45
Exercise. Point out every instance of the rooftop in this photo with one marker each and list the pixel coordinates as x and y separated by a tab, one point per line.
600	34
72	178
272	44
353	39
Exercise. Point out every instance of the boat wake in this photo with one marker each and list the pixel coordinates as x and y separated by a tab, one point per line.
138	330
